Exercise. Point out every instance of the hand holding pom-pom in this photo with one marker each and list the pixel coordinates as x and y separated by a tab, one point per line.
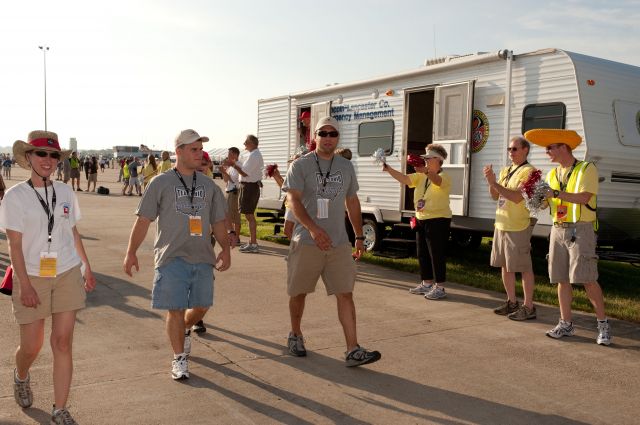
415	160
379	157
270	169
534	191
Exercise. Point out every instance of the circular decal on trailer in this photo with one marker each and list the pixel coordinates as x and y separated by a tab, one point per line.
479	131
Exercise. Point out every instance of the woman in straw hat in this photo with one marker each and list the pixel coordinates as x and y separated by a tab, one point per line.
39	217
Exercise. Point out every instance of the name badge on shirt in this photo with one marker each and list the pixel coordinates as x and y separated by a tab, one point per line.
501	202
48	262
195	225
420	205
561	212
323	208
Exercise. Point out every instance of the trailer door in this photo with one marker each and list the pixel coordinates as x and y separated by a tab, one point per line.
452	129
319	110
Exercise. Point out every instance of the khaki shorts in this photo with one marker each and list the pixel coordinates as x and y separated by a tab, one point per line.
233	206
573	261
249	196
57	294
306	263
512	250
93	178
75	173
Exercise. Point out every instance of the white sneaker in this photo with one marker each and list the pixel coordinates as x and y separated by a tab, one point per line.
562	329
180	368
251	248
436	293
421	289
604	333
187	342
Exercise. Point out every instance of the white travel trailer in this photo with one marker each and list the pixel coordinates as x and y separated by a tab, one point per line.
473	105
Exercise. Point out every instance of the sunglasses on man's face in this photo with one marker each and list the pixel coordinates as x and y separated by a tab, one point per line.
551	147
323	133
44	154
512	149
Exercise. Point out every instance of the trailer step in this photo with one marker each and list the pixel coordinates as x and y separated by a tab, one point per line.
400	241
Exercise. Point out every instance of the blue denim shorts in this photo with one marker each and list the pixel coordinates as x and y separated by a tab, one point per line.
179	285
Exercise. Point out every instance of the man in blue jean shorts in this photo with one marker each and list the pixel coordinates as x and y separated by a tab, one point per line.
187	205
319	186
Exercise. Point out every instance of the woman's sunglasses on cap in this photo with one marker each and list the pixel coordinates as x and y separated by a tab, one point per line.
44	154
323	133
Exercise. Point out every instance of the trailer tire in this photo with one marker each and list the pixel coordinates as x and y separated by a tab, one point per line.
372	234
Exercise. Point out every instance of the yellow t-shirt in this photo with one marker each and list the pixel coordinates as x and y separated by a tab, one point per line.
512	217
165	166
436	198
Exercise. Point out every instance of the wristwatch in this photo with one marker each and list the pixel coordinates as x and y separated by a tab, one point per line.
556	193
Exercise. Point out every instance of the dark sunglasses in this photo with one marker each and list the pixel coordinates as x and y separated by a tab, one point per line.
554	146
512	149
44	154
323	133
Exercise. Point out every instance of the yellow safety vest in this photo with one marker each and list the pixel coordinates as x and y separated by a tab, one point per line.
573	210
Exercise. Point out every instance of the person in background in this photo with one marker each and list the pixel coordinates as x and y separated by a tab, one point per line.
232	189
149	171
134	180
433	219
572	200
74	163
66	170
126	176
59	171
87	167
511	246
39	218
6	167
93	173
207	165
165	165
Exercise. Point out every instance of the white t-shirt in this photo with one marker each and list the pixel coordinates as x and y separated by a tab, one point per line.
22	212
252	166
234	177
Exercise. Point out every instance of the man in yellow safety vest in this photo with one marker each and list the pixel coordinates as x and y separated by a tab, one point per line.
572	247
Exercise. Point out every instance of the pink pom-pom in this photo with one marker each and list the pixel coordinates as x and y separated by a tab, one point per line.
415	160
271	168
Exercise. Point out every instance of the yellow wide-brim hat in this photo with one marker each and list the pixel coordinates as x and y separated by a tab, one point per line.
547	136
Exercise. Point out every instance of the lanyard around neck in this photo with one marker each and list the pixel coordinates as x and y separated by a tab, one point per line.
510	174
45	206
565	181
193	185
325	178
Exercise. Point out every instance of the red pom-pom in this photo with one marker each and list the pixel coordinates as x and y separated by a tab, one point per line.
271	168
529	186
311	146
415	160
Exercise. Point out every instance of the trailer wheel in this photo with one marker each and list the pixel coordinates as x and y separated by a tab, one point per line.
464	239
372	234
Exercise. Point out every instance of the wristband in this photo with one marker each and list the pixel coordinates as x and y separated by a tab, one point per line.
556	193
360	238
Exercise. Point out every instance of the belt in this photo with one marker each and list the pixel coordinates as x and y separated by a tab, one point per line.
564	225
232	191
250	182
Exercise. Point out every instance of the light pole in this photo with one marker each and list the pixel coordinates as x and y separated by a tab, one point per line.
44	52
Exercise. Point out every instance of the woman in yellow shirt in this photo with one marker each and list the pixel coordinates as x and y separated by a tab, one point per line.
149	171
433	219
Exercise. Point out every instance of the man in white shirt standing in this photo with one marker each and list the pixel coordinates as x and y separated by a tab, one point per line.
250	183
232	180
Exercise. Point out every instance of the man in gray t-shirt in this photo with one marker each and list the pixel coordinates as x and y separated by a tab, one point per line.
186	206
319	186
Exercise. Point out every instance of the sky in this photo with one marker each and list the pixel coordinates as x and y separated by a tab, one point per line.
139	71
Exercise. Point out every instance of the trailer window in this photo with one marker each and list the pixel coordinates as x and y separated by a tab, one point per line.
373	135
544	115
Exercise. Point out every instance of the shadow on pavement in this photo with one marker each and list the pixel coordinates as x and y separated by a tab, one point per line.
115	292
401	390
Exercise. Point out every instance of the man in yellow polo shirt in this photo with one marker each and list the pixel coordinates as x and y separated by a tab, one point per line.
572	247
511	248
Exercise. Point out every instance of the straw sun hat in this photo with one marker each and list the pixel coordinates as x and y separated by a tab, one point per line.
37	140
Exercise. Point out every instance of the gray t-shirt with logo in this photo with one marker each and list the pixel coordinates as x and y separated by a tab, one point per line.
308	175
167	200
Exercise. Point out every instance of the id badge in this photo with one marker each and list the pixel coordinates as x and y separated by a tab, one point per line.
420	205
195	225
501	202
561	212
48	262
323	208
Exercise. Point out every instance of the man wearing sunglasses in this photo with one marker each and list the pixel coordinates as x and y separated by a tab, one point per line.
319	186
572	247
511	247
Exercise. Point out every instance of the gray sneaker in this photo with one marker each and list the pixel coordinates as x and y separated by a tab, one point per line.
507	308
22	391
61	417
251	248
523	313
296	345
421	289
604	333
562	329
436	293
360	356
